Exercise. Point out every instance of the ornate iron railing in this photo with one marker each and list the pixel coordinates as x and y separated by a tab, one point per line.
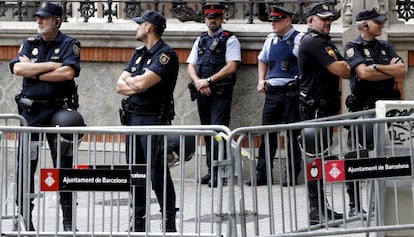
189	10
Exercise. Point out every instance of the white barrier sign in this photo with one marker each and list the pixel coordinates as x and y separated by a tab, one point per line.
399	133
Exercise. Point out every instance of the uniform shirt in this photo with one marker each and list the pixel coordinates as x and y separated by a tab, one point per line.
316	52
379	52
265	52
162	60
63	49
233	52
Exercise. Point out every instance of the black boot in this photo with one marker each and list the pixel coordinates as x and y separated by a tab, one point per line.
139	224
170	222
314	215
24	223
205	179
67	218
317	216
317	204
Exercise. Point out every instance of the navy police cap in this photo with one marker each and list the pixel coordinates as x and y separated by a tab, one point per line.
152	17
370	15
319	9
48	9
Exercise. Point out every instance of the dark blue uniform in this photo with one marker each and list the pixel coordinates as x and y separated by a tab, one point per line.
316	81
152	107
319	97
49	97
282	97
214	109
366	93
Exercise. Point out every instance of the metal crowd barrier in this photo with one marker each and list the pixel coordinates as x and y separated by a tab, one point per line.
8	149
98	208
380	163
354	148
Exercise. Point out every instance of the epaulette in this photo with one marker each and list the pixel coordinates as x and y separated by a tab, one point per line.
32	39
140	48
314	34
357	42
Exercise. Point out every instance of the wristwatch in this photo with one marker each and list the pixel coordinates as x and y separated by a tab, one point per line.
209	80
374	66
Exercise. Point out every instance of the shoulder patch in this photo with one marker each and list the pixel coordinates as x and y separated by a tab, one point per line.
331	52
164	59
76	49
350	52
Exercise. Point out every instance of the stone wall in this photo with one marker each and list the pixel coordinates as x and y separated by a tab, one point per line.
99	102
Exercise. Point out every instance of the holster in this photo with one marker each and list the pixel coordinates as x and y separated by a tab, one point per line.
193	91
123	114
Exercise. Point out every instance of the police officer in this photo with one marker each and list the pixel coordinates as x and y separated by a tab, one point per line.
212	66
320	67
148	81
374	64
48	63
277	77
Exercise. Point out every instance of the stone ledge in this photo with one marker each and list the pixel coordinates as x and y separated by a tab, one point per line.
121	33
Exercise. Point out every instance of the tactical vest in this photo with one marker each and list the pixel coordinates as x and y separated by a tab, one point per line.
282	62
212	56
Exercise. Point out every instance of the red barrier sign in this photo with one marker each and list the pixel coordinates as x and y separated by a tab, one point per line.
314	169
335	171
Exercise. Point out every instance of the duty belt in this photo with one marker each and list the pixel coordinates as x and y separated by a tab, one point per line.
45	103
142	110
274	89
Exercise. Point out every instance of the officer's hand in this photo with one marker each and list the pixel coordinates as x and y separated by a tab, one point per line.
24	59
205	91
260	86
396	61
201	83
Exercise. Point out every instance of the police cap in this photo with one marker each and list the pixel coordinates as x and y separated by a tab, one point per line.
278	12
319	9
213	10
370	15
48	9
152	17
